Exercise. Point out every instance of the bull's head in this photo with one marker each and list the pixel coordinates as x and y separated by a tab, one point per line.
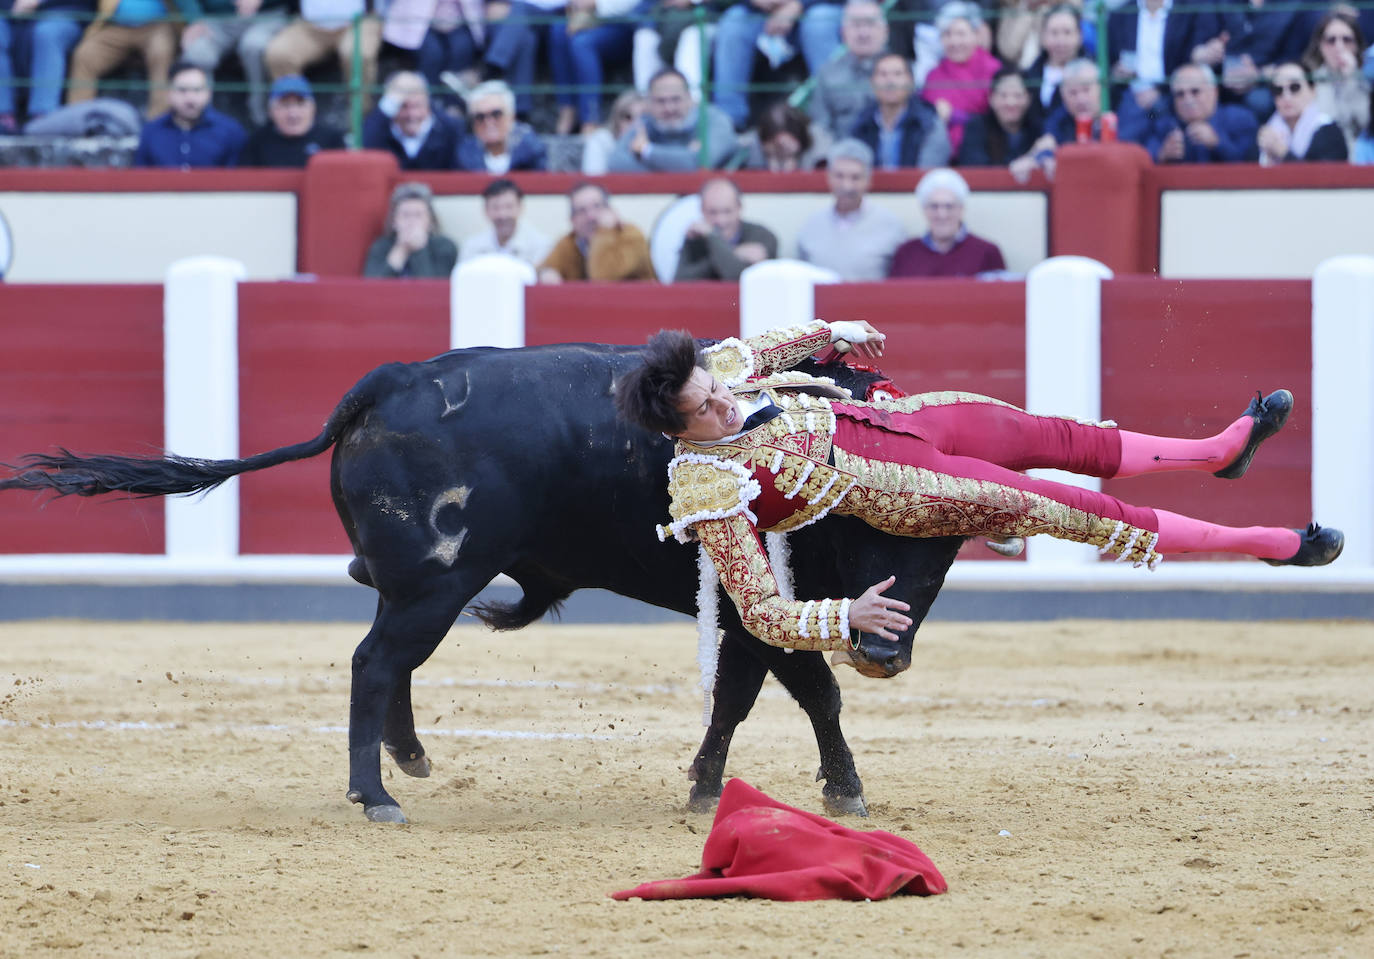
877	658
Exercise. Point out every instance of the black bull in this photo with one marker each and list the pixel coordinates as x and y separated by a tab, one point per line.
479	462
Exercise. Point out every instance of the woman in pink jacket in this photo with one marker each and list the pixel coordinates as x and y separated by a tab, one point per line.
958	85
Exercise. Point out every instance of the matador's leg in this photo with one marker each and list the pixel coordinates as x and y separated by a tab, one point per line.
938	494
965	424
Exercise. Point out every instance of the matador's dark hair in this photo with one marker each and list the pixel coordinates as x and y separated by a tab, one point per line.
647	395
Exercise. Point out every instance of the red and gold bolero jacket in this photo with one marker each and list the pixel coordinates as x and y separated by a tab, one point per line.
775	478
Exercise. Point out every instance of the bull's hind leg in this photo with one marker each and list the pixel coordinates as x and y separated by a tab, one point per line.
398	732
406	631
739	676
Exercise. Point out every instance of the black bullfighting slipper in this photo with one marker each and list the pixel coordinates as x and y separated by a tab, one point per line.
1269	413
1320	545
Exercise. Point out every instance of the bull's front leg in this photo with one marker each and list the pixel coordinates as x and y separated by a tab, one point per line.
811	683
739	676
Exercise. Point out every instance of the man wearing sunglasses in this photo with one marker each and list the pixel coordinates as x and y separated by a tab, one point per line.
497	143
1203	131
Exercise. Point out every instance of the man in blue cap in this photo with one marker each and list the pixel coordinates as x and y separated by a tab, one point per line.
291	136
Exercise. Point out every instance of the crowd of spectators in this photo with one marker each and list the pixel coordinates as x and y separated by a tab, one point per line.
852	236
923	84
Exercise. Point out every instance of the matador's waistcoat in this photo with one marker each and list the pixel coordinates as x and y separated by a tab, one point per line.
787	474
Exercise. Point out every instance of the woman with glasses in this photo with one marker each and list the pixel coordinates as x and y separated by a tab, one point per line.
1335	56
1299	129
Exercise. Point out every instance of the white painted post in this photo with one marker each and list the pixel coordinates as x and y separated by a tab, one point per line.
487	301
1343	402
1064	369
777	293
200	383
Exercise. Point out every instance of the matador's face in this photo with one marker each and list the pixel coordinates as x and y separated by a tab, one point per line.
711	411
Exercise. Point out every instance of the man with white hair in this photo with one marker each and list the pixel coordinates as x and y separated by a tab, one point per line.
497	143
948	248
1081	90
853	236
404	122
843	85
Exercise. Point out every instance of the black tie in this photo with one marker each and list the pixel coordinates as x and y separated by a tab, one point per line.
759	417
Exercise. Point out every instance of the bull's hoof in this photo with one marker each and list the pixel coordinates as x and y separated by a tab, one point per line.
702	801
412	765
846	806
384	814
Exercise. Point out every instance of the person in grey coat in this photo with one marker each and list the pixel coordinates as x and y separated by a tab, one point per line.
665	137
412	244
843	87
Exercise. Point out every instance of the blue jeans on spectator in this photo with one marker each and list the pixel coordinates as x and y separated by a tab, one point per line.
577	59
42	45
511	47
818	34
454	50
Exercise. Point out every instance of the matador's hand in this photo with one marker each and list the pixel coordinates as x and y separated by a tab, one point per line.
860	335
878	614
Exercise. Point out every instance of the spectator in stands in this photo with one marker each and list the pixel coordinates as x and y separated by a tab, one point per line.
445	35
1335	57
786	140
1005	135
721	244
1021	31
665	138
958	85
1060	41
600	246
404	122
667	35
44	43
1204	131
292	136
854	237
503	202
412	244
120	28
899	127
595	37
1298	130
948	248
1082	95
598	145
776	27
497	143
325	27
246	26
1149	40
192	133
512	43
844	83
1258	36
1364	144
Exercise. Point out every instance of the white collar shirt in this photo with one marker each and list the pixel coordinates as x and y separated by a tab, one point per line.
1149	43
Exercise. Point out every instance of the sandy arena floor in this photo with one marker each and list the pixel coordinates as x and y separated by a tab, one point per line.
1169	789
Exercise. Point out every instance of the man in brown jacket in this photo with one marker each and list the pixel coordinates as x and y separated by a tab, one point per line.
600	246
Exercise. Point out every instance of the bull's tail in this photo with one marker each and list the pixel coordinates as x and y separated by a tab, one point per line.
66	474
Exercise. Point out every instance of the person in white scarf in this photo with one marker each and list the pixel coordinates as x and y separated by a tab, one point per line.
1298	130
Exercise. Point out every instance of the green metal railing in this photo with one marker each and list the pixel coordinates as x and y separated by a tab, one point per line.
358	92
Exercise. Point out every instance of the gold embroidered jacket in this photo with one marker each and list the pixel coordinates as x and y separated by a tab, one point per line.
786	474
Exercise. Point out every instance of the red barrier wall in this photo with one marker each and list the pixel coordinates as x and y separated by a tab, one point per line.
302	346
81	368
1183	358
628	312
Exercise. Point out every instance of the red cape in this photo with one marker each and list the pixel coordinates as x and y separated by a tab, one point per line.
760	847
